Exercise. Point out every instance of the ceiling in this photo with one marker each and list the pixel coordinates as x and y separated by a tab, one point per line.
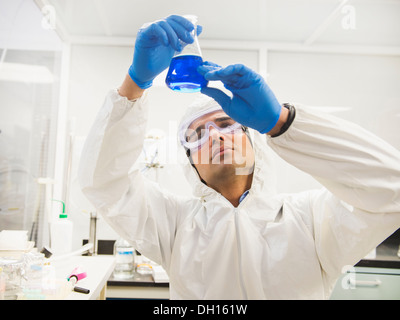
334	22
305	24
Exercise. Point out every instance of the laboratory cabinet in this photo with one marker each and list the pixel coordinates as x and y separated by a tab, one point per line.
364	283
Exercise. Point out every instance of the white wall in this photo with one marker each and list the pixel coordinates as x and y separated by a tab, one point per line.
365	87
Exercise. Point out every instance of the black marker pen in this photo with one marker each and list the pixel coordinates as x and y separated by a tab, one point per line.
81	290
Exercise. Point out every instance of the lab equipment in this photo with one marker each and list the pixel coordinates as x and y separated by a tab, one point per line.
193	132
47	287
144	268
76	275
182	74
32	286
125	259
144	265
34	263
93	233
84	249
12	273
253	103
61	233
46	251
81	290
2	284
155	45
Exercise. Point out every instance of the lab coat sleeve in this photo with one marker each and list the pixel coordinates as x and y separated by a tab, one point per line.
132	205
360	206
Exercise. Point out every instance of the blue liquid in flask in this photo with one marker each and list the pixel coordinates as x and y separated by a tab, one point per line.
183	76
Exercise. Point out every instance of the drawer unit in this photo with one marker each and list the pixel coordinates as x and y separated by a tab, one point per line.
368	284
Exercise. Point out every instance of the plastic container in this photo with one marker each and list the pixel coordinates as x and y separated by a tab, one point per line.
125	260
61	233
12	272
182	74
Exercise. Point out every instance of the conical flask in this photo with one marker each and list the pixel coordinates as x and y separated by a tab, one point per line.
182	74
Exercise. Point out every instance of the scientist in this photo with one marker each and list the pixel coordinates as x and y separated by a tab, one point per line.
236	239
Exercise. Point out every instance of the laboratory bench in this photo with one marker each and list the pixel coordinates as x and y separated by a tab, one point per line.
387	256
372	278
138	287
98	269
141	286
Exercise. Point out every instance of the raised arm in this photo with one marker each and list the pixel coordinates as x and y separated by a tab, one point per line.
136	208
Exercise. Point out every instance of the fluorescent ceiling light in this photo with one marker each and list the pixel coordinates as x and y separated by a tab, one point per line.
25	73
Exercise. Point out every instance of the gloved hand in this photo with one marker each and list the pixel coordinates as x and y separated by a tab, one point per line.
253	103
156	44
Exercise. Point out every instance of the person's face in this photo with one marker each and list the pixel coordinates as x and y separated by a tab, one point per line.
223	153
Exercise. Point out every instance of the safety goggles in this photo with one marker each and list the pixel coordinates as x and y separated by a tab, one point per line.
195	132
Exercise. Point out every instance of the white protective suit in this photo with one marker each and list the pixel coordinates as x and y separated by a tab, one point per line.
288	246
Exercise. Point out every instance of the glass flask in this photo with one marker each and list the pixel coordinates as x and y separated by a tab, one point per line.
182	74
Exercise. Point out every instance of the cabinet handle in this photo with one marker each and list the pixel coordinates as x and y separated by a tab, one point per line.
369	284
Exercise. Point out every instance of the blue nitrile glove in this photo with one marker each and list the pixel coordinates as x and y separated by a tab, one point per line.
155	45
253	103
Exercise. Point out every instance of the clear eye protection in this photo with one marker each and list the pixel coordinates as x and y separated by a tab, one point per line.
193	134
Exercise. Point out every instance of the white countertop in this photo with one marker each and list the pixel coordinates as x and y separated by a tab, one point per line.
98	269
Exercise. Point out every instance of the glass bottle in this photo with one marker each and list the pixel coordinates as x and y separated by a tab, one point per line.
125	260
